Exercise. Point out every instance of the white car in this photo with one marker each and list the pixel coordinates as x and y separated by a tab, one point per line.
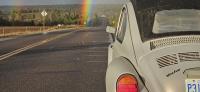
156	47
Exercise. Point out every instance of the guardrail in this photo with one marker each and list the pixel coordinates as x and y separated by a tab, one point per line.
13	31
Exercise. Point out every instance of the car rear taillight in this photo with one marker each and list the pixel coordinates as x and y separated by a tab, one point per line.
127	83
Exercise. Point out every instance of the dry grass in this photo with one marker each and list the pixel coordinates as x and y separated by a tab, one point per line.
13	31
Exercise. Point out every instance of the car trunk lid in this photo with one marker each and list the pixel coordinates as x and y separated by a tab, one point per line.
166	69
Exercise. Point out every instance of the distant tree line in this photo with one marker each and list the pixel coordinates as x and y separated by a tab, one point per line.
33	17
66	15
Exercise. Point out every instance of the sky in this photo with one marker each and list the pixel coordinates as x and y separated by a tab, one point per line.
52	2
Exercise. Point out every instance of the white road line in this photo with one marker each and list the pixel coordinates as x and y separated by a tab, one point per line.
15	52
97	51
97	48
18	51
97	55
96	61
100	42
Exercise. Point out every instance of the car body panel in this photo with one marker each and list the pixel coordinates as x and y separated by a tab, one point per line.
133	56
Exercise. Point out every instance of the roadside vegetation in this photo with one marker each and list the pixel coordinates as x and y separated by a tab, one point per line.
17	20
57	14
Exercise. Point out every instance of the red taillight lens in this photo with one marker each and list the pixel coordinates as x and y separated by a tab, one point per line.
127	83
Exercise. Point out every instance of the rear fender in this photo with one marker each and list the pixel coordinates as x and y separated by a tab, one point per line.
118	67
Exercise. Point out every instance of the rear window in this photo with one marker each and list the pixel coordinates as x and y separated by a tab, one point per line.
170	21
146	11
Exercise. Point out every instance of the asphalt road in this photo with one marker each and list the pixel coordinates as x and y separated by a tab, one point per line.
73	62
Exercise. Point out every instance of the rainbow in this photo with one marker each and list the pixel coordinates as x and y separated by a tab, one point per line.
86	11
